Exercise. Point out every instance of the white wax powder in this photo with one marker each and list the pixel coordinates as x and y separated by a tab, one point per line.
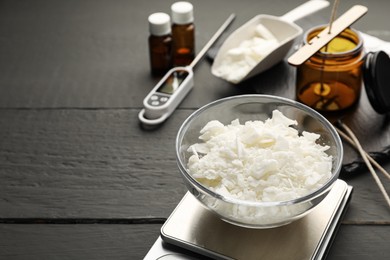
239	61
259	161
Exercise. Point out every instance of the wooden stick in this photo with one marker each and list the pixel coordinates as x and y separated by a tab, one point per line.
324	37
372	160
363	154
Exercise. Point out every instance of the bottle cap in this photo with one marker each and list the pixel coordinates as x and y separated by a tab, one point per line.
376	80
182	13
159	24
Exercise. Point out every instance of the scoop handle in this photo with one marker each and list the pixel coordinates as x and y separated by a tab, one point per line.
304	10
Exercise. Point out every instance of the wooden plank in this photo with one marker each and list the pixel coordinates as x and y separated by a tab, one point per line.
367	205
97	56
87	163
361	243
94	53
76	241
134	241
102	164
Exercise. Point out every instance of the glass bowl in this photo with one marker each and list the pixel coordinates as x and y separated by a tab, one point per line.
256	214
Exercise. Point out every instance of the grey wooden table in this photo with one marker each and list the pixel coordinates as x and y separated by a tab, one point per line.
79	177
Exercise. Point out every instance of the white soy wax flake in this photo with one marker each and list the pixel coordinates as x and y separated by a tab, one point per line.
239	61
259	160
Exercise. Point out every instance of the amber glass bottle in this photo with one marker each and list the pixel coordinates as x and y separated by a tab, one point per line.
183	33
331	79
160	43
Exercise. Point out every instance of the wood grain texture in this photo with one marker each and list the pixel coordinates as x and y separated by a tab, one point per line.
94	54
74	163
367	204
133	242
102	164
76	241
363	246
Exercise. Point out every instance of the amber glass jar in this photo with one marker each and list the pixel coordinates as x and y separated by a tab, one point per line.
331	80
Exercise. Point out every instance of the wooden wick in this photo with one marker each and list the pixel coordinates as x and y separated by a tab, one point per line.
322	89
369	166
333	15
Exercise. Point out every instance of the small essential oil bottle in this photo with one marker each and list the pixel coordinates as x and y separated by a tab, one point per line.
183	33
160	43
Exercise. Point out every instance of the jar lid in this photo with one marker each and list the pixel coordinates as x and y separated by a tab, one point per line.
376	76
182	13
159	24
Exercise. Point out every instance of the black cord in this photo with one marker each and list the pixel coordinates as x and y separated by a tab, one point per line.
350	170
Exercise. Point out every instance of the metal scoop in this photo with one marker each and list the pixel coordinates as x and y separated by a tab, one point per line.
283	28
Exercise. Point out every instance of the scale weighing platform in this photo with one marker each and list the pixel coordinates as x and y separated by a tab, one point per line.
192	232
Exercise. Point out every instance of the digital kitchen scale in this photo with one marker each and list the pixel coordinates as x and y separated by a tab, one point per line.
192	232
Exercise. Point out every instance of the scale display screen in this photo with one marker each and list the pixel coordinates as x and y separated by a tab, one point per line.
173	81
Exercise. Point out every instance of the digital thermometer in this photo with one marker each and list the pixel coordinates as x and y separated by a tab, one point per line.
173	87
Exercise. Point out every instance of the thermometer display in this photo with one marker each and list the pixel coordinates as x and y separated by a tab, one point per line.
172	83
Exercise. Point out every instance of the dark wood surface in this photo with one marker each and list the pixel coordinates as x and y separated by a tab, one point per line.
80	178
